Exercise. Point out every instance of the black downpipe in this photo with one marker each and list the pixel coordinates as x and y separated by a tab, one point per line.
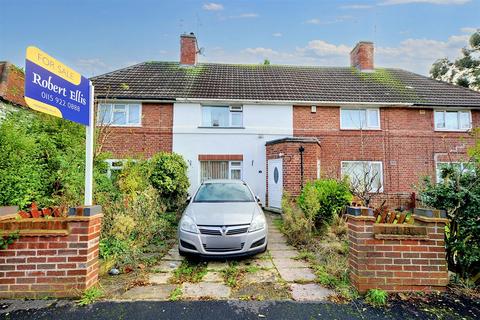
301	150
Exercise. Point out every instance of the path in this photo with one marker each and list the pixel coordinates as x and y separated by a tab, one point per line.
273	275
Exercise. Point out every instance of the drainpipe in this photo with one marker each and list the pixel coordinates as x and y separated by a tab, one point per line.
301	150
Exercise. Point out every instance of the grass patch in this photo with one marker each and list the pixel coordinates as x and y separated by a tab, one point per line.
278	222
90	295
376	297
252	269
176	294
231	274
305	256
189	271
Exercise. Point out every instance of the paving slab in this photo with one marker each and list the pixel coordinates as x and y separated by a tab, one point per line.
260	263
309	292
276	254
157	292
160	278
260	276
213	276
217	265
289	263
173	255
166	266
205	290
297	274
279	246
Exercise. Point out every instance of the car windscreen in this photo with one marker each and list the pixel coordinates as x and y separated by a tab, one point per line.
223	192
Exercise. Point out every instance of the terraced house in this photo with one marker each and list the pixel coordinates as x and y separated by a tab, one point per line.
278	126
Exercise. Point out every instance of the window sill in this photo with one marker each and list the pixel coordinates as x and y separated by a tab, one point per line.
205	127
453	130
121	125
364	129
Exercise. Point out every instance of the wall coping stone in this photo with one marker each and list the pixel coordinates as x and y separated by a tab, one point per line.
85	211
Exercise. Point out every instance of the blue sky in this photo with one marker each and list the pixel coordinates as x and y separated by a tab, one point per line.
95	36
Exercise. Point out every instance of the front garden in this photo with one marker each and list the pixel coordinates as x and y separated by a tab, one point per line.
42	164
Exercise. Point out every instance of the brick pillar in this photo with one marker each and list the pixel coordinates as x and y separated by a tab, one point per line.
396	257
55	257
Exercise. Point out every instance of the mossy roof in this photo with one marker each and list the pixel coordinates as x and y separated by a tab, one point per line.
170	80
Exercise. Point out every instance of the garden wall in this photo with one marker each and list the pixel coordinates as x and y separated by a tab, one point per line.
397	257
54	257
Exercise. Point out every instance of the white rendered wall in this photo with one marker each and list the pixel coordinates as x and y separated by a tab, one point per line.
261	123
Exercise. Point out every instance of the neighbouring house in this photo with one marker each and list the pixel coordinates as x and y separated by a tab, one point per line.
12	81
278	126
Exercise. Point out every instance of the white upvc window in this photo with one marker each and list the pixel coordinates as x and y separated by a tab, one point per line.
360	118
222	116
462	167
364	175
213	169
120	114
453	120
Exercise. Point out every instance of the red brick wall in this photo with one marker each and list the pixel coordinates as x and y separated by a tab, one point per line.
406	144
397	262
52	258
153	136
361	56
291	164
188	49
12	84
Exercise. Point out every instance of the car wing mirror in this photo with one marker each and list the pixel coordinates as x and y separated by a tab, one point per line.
258	199
188	199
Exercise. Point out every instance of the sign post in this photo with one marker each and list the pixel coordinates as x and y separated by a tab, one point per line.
52	87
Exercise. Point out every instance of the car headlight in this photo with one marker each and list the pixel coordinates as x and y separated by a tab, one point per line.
258	223
187	224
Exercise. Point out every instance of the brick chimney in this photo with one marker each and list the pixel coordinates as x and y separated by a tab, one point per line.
188	49
361	57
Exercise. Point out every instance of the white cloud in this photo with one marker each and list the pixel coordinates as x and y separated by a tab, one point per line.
313	21
438	2
356	6
91	66
412	54
277	34
211	6
468	29
247	15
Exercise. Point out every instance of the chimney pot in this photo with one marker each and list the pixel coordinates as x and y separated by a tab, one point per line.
188	49
361	57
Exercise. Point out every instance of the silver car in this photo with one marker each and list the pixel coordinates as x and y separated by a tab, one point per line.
223	219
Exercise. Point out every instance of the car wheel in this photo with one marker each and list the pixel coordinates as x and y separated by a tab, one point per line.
182	253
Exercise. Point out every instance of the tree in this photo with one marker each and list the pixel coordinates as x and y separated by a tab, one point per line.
465	71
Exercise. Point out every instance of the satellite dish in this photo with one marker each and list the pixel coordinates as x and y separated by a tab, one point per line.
201	51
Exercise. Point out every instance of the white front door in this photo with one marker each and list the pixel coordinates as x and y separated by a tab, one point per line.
275	183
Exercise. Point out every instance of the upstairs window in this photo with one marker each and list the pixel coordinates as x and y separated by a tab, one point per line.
222	116
453	120
119	114
360	119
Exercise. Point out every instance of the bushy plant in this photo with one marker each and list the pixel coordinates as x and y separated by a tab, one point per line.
296	225
169	177
376	297
323	199
459	195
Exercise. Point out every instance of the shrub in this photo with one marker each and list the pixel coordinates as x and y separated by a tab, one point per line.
376	297
331	195
459	195
22	171
296	225
169	177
